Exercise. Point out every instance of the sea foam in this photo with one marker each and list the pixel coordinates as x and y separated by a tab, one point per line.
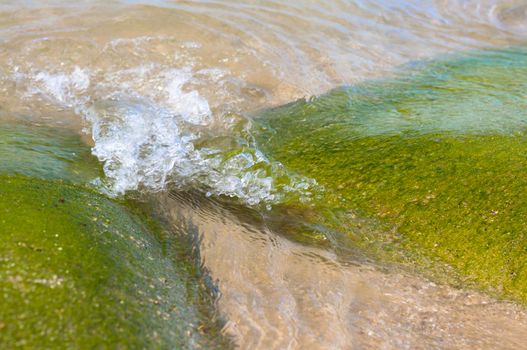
151	131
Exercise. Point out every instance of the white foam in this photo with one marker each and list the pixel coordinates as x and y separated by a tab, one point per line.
145	147
138	144
62	87
146	122
190	105
191	45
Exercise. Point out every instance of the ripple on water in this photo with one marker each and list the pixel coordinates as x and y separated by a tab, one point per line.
511	16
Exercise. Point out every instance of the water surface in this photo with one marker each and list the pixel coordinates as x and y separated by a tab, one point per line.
162	91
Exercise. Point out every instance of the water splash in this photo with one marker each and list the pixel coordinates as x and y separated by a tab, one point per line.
151	131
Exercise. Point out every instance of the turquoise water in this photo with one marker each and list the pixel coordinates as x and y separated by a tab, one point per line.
478	92
45	153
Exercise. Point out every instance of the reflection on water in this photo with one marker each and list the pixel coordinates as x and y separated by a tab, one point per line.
183	73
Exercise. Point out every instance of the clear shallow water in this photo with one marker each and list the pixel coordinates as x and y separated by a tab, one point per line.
162	88
279	293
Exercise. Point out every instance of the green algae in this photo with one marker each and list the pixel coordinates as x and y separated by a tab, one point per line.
435	159
78	270
45	152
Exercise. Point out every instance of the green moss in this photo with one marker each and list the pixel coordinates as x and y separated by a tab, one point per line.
78	270
49	153
434	161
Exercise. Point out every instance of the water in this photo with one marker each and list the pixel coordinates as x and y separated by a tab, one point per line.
163	92
283	294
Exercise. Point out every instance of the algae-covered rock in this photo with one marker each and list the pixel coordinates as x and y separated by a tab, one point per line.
437	155
45	152
78	270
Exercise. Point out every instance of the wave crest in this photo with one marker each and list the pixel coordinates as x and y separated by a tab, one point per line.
150	132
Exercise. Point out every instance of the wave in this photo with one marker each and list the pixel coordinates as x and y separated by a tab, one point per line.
162	87
150	132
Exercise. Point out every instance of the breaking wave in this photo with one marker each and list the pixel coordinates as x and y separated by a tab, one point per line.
150	132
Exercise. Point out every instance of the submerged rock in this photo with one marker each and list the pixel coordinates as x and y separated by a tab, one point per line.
44	152
78	270
437	157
